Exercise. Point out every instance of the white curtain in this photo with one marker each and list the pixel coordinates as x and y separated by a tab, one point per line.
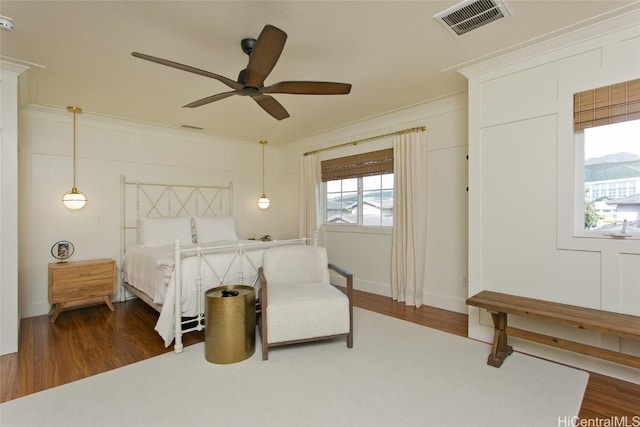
409	235
309	197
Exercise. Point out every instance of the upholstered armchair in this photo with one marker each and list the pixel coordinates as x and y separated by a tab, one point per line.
298	303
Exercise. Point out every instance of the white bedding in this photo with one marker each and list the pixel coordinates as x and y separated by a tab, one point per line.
150	269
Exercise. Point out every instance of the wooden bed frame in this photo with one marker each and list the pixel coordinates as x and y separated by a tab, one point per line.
142	200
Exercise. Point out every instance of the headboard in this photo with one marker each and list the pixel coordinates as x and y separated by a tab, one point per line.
158	200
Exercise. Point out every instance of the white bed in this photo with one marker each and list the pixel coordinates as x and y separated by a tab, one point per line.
160	260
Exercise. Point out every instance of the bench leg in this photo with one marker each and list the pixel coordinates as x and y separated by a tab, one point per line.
499	350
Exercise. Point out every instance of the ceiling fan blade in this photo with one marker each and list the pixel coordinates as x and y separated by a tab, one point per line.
308	88
271	106
264	55
210	99
231	83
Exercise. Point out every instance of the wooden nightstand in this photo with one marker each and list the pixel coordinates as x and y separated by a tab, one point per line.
78	283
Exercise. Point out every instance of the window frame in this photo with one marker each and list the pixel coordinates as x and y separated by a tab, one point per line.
600	109
375	162
566	236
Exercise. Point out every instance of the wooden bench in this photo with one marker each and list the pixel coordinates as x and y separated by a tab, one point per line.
607	322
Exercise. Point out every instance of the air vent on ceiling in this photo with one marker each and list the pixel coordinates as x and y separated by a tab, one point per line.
472	14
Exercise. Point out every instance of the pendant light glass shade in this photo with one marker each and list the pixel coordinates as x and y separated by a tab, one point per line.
74	199
263	201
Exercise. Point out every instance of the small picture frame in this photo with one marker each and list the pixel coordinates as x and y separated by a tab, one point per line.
62	250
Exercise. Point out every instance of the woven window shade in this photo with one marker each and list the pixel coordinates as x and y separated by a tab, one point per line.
373	163
606	105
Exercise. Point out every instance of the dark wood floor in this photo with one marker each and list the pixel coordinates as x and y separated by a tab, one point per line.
87	341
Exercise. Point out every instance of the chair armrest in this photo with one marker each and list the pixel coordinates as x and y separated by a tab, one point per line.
344	273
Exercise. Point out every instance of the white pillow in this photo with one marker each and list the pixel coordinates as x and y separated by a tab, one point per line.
164	231
214	229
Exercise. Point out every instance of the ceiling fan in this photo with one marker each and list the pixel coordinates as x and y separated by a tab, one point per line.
263	55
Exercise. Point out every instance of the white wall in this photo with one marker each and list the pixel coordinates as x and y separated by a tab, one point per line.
367	251
9	315
107	148
521	187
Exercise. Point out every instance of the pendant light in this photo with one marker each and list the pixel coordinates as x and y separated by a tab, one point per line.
74	199
263	201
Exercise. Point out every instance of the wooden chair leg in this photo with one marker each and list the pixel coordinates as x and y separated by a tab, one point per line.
263	337
499	349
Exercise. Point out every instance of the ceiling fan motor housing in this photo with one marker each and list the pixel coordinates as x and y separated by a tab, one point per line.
242	76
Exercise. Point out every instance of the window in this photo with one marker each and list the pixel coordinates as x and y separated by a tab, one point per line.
363	201
359	189
607	134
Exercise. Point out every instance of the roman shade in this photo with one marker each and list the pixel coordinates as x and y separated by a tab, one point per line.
606	105
358	165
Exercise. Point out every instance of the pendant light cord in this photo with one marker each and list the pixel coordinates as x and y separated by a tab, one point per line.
263	142
74	110
74	148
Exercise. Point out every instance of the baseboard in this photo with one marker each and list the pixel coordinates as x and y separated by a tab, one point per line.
35	309
433	300
7	348
373	288
445	303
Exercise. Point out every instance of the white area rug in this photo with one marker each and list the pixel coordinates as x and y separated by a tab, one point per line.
397	374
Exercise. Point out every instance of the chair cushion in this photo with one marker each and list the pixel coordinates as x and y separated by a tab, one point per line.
309	310
295	264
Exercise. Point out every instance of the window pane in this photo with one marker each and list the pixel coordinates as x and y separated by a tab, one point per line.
371	218
372	198
371	182
349	208
612	176
372	207
387	180
350	200
350	184
334	186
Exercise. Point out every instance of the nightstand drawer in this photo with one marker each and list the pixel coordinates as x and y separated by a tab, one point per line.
82	281
82	272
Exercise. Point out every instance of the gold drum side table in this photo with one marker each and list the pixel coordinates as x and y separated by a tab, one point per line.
230	328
